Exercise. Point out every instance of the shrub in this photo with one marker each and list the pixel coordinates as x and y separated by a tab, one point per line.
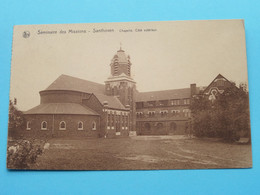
23	153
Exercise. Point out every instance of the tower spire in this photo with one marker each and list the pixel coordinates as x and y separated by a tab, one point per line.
120	63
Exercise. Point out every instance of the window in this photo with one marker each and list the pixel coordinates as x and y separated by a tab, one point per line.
139	105
175	112
220	83
173	126
94	125
28	125
62	125
112	121
186	112
147	126
163	102
139	114
175	102
108	120
126	122
151	113
44	125
80	125
151	103
113	91
163	113
186	101
159	125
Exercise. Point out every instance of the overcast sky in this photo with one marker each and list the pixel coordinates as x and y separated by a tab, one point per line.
173	56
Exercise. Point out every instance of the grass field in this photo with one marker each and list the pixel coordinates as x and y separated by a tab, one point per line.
143	152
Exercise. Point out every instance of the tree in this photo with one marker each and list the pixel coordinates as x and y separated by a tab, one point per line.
22	151
225	116
16	120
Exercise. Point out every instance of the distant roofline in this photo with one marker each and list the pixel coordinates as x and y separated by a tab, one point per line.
164	90
170	89
79	78
53	85
66	90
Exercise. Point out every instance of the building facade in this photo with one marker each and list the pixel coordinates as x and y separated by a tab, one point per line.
75	107
164	112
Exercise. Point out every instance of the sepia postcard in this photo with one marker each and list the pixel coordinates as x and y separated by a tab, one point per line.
129	96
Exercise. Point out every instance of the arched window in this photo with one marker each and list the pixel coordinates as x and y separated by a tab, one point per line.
80	125
173	126
159	125
28	125
62	125
147	126
94	125
113	91
44	125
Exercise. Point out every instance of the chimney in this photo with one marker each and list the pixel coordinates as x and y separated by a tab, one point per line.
193	89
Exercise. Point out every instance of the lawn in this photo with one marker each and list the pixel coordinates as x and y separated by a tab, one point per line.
143	152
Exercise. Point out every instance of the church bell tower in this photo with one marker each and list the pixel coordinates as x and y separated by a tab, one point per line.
121	84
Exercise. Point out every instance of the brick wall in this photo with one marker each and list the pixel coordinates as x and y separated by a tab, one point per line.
53	122
93	103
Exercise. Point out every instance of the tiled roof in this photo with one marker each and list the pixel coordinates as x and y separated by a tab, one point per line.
65	82
113	102
61	108
163	95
